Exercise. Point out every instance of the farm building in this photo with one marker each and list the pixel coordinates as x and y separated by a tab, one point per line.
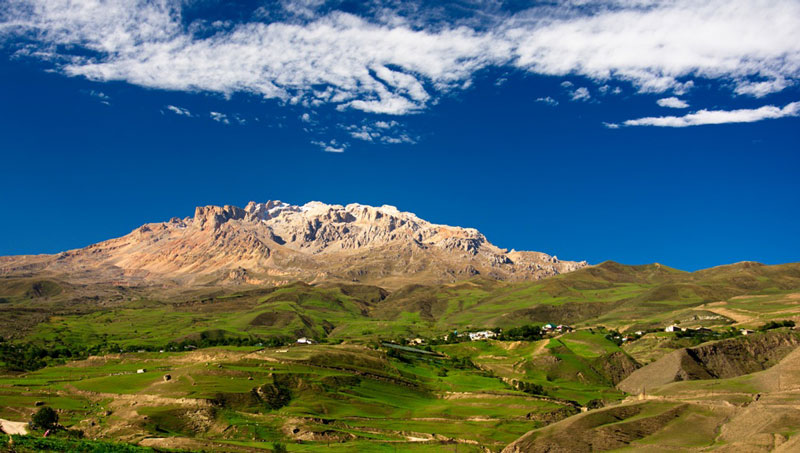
482	335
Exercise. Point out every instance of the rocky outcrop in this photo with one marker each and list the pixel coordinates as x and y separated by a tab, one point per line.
211	217
276	242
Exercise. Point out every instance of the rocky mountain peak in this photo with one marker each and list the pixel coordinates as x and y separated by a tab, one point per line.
211	217
277	242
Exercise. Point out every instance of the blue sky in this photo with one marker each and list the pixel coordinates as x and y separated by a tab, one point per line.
637	131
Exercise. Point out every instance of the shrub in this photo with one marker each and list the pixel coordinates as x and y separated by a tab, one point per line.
45	418
595	404
526	332
776	325
530	387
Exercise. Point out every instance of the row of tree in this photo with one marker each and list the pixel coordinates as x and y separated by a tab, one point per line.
776	325
28	356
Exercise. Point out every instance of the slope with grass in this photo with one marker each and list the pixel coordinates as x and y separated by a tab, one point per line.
75	348
251	397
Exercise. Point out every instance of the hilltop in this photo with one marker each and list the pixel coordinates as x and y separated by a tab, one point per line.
276	243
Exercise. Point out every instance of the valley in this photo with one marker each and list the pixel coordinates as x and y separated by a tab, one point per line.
239	381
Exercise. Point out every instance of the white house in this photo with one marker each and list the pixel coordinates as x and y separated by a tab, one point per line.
140	371
672	328
305	340
745	331
482	335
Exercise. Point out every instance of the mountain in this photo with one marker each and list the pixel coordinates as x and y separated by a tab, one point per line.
276	242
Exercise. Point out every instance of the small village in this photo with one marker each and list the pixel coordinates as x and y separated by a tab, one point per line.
550	330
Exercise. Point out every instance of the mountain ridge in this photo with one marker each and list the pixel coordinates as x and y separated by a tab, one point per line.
276	242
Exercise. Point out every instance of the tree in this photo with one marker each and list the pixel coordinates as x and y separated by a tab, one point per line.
278	447
45	418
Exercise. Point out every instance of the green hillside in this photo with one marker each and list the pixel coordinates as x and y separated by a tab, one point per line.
388	370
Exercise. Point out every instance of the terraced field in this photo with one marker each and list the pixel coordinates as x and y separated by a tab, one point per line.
346	395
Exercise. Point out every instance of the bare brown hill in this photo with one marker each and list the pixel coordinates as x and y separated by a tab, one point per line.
607	429
720	359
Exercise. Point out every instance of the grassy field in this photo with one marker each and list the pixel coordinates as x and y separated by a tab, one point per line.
339	393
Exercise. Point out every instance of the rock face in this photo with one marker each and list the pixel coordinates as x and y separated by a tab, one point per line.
275	242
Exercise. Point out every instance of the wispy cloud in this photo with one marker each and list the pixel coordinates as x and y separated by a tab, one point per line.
547	100
607	89
392	60
673	103
387	132
219	117
702	117
762	88
179	110
102	97
332	146
581	94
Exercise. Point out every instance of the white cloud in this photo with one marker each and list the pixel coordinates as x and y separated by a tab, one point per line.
100	95
396	62
386	124
219	117
606	89
581	94
761	89
547	100
331	146
387	132
104	98
682	88
179	110
673	103
702	117
305	117
361	135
